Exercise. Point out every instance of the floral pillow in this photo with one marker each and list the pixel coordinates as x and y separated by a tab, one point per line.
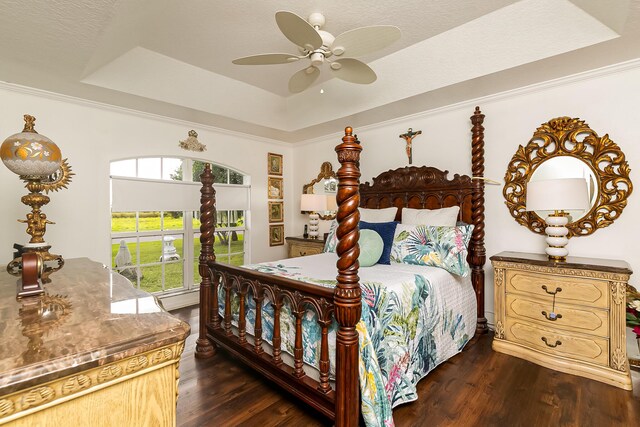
436	246
332	238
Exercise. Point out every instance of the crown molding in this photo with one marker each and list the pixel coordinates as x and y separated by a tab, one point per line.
471	103
462	105
12	87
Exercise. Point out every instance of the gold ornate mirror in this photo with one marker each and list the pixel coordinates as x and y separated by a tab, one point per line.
325	183
569	148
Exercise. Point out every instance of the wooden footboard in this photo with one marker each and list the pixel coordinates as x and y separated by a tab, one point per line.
342	302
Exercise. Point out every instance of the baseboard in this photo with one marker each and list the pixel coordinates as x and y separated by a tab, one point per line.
183	299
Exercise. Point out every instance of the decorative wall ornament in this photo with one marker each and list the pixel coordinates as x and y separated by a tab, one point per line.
325	183
275	188
408	137
274	164
192	143
563	138
276	235
276	211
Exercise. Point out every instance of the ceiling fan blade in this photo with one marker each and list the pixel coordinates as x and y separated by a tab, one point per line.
298	31
353	71
303	79
266	59
364	40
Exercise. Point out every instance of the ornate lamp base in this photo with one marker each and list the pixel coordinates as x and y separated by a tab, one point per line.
557	236
50	263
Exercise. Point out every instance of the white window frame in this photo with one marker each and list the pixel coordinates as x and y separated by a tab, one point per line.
191	279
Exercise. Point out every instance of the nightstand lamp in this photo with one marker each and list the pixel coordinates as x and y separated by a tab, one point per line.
313	203
557	196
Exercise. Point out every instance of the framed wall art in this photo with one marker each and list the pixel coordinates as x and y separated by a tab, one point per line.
276	235
275	188
274	164
276	211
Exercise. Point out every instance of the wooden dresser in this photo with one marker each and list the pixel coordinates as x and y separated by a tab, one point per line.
91	351
568	316
299	246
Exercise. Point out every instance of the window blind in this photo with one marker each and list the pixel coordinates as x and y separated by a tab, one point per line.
136	194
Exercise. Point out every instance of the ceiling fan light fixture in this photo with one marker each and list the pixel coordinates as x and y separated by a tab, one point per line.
319	46
317	58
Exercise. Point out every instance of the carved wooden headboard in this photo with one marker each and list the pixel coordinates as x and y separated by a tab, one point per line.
420	188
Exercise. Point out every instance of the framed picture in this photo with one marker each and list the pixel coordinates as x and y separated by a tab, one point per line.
275	188
276	212
274	164
276	235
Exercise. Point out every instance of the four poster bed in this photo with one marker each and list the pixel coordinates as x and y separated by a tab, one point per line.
336	307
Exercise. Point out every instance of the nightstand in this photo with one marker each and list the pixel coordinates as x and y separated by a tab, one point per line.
299	246
568	316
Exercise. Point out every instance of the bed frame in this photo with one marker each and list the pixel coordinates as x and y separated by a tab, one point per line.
416	187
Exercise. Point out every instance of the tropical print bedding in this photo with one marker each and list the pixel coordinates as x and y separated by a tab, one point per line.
413	319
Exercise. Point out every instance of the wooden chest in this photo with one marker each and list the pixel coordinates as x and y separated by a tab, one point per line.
568	316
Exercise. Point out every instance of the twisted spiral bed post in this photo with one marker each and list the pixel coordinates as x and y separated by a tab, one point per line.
478	253
347	300
204	347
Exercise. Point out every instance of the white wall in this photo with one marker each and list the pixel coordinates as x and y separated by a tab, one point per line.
91	135
606	100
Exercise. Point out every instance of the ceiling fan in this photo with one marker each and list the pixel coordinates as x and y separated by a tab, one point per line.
319	46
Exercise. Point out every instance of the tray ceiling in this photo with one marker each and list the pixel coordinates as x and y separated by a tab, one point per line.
174	58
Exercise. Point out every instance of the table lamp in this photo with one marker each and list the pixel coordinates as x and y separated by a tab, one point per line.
332	203
557	196
38	162
313	203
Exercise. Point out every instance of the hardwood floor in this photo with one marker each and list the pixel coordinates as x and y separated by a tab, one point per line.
478	387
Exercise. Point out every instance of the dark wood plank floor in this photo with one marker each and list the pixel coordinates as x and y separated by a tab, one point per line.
478	387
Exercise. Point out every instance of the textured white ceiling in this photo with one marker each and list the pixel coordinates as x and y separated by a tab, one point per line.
174	57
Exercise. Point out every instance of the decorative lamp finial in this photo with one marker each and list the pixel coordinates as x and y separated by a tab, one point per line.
29	123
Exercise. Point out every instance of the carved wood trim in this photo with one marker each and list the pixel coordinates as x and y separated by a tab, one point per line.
16	405
347	299
477	252
204	347
564	136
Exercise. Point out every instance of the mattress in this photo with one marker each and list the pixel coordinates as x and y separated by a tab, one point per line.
413	319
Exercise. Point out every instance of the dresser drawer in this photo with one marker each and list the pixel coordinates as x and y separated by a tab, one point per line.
569	318
296	250
577	347
572	290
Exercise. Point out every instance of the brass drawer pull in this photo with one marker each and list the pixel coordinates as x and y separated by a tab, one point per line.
551	293
552	316
551	345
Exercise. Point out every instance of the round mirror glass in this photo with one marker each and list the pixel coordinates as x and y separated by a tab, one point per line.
568	167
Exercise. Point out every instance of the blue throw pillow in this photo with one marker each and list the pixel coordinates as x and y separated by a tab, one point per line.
386	230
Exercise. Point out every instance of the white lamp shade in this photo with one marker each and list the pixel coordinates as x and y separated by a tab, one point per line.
557	194
313	202
332	204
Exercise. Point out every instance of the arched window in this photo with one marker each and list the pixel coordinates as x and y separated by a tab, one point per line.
155	225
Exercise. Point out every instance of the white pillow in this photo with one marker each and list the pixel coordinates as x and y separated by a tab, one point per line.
378	215
446	217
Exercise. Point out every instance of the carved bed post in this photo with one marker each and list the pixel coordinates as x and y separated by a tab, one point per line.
478	252
348	304
204	347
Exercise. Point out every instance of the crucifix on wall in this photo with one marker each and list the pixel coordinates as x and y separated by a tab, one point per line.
408	137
